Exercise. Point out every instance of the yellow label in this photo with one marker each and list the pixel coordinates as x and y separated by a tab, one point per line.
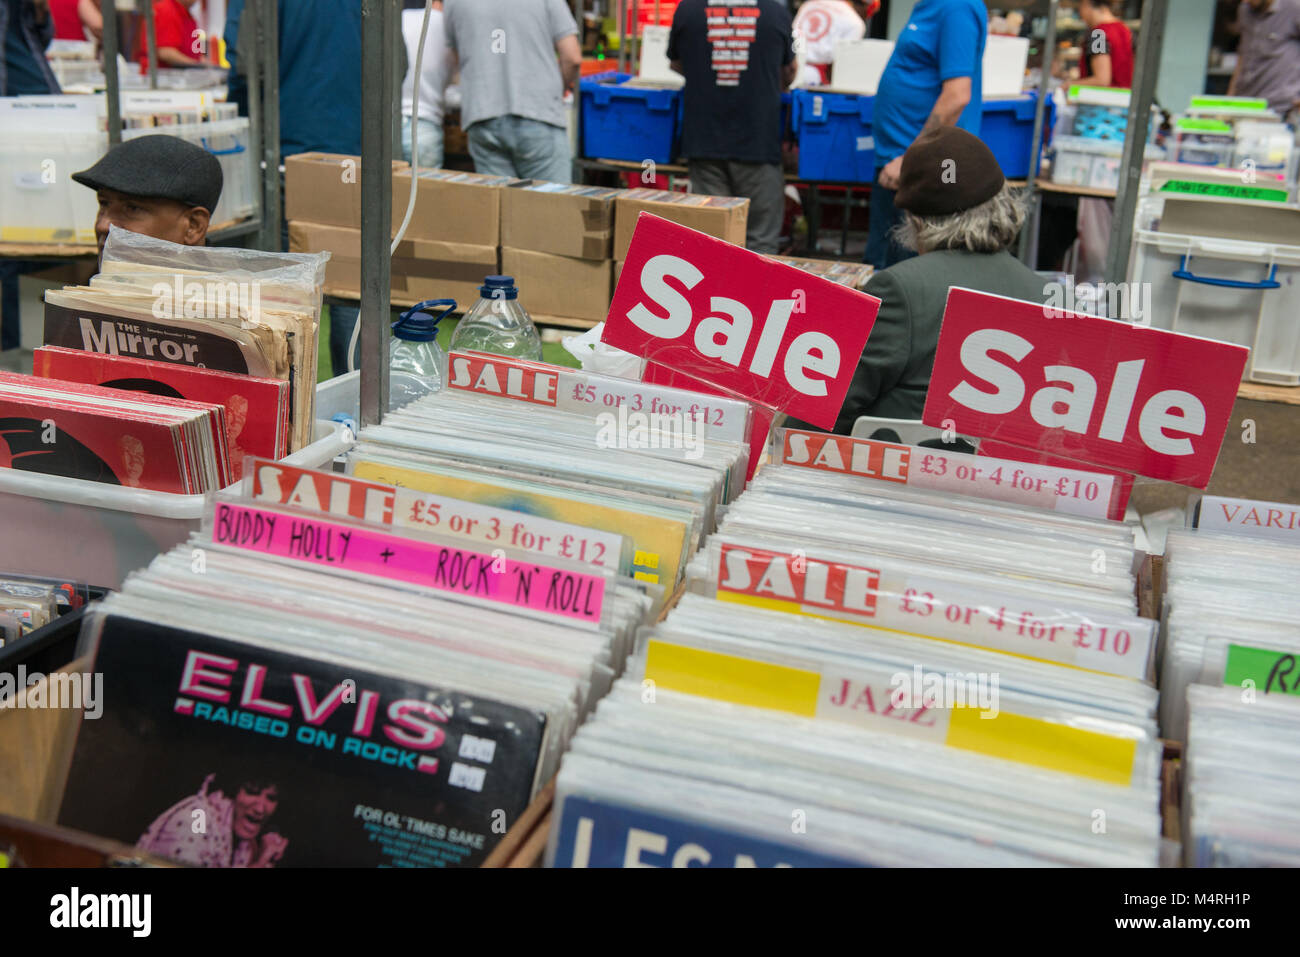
1044	744
659	542
45	234
708	674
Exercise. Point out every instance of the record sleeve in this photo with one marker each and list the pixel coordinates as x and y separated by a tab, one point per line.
256	408
221	754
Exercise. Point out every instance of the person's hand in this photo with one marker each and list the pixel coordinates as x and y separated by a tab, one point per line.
890	173
271	848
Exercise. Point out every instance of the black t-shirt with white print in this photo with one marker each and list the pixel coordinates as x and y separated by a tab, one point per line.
731	55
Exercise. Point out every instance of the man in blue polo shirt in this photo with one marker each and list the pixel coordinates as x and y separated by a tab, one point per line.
320	101
932	79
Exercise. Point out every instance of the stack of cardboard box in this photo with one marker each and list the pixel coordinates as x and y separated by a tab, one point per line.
451	243
563	244
556	240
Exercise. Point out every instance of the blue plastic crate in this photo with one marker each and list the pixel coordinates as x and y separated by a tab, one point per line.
1007	127
629	123
834	133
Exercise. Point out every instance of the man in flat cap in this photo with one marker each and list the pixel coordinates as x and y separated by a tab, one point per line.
158	186
961	217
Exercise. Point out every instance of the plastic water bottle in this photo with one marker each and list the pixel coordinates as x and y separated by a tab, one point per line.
416	363
498	324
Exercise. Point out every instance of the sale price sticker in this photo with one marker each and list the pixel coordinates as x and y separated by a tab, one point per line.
1099	391
757	328
539	589
318	491
591	394
1062	490
889	598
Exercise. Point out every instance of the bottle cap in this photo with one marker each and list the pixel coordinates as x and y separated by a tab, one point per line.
499	287
419	324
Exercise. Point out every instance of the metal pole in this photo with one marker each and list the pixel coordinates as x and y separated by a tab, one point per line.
249	62
151	41
634	58
1146	63
272	213
622	33
1029	235
398	57
112	91
377	36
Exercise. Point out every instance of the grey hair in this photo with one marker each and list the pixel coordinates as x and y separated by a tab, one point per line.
990	227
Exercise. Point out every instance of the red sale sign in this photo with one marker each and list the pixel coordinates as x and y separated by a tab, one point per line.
1098	391
754	328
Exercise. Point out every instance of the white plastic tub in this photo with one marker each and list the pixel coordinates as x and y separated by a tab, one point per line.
97	533
1226	289
1095	163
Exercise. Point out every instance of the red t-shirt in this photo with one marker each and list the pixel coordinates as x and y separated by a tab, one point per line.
1113	38
67	25
173	27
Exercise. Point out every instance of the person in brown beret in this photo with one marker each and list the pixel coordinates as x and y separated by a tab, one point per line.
961	217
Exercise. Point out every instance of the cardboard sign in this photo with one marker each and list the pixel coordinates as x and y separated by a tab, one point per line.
756	328
1099	391
1046	486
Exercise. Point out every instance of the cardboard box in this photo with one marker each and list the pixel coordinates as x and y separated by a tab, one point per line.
325	188
560	285
723	217
558	218
421	269
451	206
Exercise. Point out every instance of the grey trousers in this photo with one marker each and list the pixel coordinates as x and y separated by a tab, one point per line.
762	183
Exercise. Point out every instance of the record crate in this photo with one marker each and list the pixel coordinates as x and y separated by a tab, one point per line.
626	122
98	533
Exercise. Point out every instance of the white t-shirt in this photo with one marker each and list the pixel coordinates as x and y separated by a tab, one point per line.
436	66
820	23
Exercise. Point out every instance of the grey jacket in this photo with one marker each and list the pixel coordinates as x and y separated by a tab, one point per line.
893	373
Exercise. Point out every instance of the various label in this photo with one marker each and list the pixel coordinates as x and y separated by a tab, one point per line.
1269	671
1244	516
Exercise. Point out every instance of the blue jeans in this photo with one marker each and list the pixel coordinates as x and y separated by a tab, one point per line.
882	251
343	319
430	143
520	147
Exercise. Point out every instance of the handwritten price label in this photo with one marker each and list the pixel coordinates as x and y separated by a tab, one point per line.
540	589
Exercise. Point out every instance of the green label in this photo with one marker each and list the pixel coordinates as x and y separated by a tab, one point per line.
1225	190
1274	672
1203	126
1230	103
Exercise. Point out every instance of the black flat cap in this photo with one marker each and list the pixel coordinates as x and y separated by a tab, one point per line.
946	171
161	167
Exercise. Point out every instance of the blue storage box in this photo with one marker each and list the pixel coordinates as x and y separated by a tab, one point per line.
629	123
1007	127
834	133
